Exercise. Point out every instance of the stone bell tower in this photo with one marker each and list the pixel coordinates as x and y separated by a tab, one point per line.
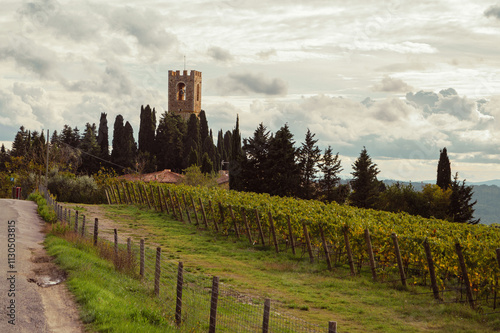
184	93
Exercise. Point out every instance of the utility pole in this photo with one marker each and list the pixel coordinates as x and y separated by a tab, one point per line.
47	164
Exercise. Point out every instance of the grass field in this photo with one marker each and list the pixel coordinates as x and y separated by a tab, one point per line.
307	291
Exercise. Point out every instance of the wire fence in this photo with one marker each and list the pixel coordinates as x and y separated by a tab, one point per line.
195	301
470	269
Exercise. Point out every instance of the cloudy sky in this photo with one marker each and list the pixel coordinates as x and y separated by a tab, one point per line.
404	79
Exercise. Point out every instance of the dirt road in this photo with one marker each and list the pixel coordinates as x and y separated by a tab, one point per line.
32	299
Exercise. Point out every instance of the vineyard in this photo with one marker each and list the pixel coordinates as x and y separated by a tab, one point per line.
421	251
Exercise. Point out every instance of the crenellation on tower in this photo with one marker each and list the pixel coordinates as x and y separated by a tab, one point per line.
184	93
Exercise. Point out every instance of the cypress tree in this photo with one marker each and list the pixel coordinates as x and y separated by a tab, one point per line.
364	184
443	170
206	164
147	130
235	174
192	139
103	137
203	126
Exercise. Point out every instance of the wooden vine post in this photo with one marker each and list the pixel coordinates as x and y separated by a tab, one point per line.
211	208
179	206
325	248
146	196
398	258
290	234
244	216
273	231
205	216
165	200
348	249
195	211
236	230
432	271
172	203
308	243
468	288
187	207
261	233
369	249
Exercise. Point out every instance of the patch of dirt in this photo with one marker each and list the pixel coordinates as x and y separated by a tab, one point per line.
60	306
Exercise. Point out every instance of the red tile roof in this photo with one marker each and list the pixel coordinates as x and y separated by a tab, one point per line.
165	176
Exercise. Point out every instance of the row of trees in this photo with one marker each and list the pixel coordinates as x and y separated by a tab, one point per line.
264	163
270	163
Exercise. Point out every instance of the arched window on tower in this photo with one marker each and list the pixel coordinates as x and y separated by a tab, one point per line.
181	92
198	93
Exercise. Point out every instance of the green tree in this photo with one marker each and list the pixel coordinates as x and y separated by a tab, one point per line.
254	169
364	184
237	157
206	164
124	146
147	128
461	208
308	156
169	137
21	143
103	137
283	170
203	126
329	187
91	150
443	170
192	139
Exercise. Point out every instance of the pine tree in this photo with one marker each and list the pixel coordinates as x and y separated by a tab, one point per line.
308	155
328	184
254	169
443	170
90	149
283	170
364	184
103	137
21	143
461	205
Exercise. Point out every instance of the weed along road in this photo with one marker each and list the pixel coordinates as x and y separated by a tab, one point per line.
32	297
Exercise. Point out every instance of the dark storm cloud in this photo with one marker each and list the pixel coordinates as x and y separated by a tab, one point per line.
390	84
250	83
219	54
493	11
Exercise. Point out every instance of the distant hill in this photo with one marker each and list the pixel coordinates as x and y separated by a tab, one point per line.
486	193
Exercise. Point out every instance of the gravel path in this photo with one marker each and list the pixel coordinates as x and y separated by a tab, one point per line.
32	299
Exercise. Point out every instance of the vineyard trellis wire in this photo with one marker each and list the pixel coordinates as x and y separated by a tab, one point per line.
323	232
234	311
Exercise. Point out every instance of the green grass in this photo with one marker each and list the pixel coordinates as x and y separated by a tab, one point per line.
307	291
109	301
115	302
